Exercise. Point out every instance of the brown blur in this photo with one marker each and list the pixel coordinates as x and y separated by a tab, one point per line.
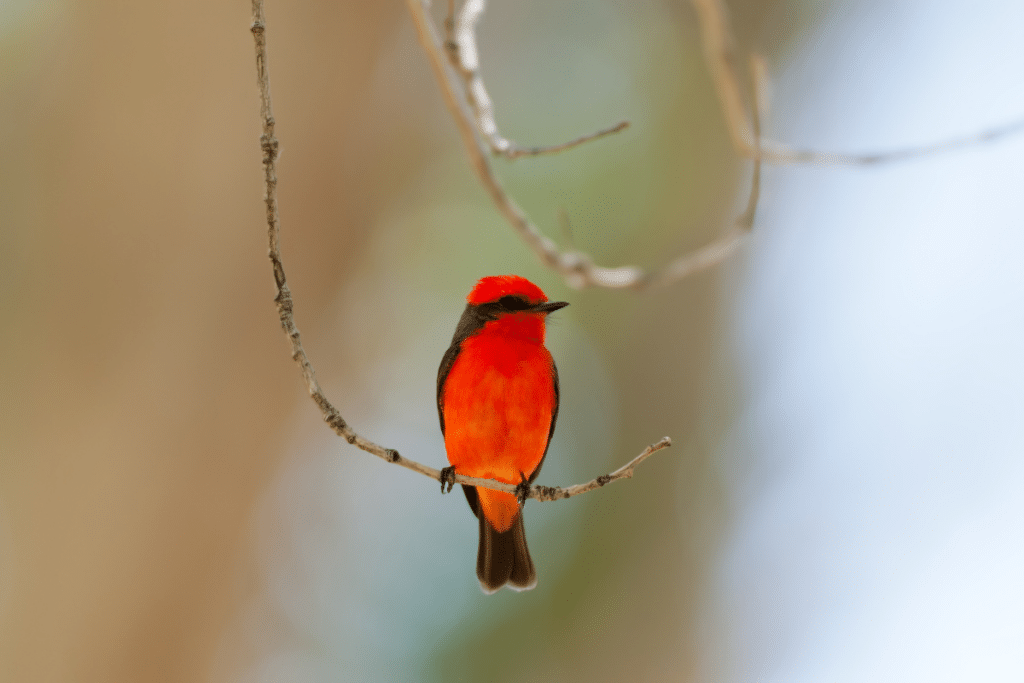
145	377
146	382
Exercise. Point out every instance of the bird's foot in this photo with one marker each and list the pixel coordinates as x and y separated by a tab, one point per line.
523	490
447	478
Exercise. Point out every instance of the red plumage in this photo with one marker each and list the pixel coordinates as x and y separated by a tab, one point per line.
496	286
498	400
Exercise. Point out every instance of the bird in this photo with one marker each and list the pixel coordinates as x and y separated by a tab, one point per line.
497	400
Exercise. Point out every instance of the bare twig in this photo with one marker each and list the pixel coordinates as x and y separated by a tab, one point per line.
720	249
269	146
720	55
460	44
780	154
577	268
624	472
758	108
515	151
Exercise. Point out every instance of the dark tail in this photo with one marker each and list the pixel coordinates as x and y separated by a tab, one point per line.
503	558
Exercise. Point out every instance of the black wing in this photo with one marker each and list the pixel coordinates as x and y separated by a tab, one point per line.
554	417
442	374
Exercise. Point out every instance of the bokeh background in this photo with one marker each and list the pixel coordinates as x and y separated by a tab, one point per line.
843	499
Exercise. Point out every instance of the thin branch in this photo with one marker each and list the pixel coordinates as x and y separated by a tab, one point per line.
706	257
624	472
449	25
716	36
720	56
269	146
577	268
777	153
759	107
465	59
515	151
720	249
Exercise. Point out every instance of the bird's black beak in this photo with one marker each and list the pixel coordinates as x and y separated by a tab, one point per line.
549	307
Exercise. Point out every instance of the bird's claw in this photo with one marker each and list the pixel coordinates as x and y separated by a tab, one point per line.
447	478
523	490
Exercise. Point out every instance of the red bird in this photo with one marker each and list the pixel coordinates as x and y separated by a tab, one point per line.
497	397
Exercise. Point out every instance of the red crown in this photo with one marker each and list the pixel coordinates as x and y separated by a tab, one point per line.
494	287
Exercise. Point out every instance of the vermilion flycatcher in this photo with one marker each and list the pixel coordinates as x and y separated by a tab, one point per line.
497	397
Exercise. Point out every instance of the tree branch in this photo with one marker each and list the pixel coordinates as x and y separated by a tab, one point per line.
465	60
480	135
285	306
720	56
778	153
576	267
624	472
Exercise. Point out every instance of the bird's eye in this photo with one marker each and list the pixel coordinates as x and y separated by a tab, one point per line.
513	303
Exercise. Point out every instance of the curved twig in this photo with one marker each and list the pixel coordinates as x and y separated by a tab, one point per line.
576	267
269	146
464	57
481	136
777	153
720	55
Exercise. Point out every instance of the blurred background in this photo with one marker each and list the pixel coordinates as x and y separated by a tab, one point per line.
843	498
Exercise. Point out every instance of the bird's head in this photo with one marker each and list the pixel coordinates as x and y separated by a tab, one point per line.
499	295
507	305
